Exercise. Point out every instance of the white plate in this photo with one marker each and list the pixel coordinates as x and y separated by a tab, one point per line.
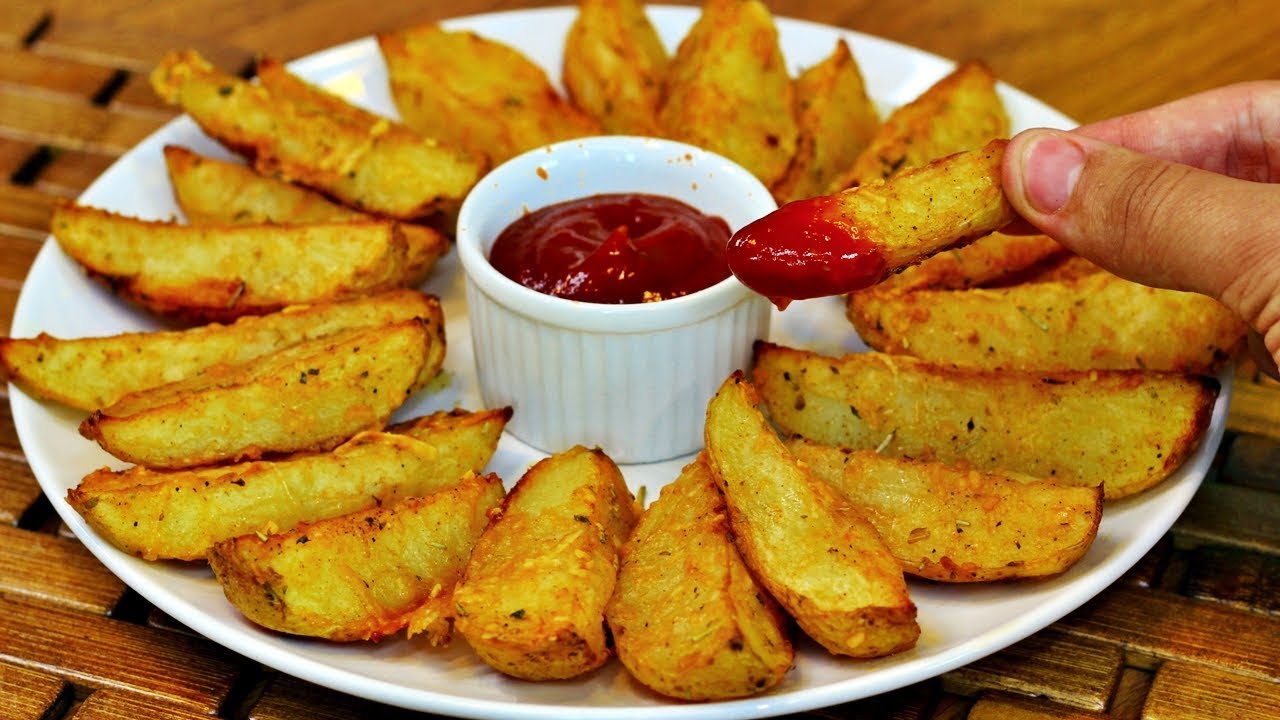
960	623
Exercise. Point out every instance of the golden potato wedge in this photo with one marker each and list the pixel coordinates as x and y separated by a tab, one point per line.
996	258
220	273
688	620
384	168
179	514
95	372
728	89
364	575
836	122
956	525
962	111
312	396
822	561
212	191
1094	322
438	76
613	67
1124	429
531	603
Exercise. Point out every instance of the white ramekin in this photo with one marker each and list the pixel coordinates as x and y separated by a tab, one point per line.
633	380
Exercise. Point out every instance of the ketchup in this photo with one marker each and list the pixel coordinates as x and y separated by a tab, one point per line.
614	248
804	249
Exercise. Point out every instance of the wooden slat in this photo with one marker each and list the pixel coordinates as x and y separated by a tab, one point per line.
16	256
101	652
24	213
1250	581
1131	693
1253	409
117	705
1066	669
18	489
70	124
1254	461
69	172
999	706
18	20
55	75
287	698
137	96
128	42
1152	626
14	154
10	448
1146	572
50	569
1183	691
1231	515
8	299
31	695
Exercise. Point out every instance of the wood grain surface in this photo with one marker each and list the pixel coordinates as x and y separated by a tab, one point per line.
1193	631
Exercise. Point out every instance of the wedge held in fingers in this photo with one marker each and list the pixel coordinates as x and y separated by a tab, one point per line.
533	598
1123	429
688	619
822	561
364	575
957	525
614	63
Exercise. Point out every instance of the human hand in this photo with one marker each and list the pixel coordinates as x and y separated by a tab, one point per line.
1183	196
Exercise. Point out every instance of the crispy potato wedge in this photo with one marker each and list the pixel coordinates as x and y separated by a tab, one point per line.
613	67
956	525
688	620
312	396
728	89
212	192
364	575
532	601
384	168
1124	429
220	273
1094	322
438	76
95	372
822	561
836	121
962	111
996	258
179	514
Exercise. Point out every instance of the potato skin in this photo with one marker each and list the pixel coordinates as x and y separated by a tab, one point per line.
992	259
688	619
532	601
952	524
364	575
818	557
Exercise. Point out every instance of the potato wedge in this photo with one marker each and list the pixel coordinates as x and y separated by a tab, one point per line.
1094	322
962	111
221	273
95	372
728	89
386	169
1124	429
613	67
438	76
836	121
834	244
179	514
688	620
531	603
992	259
821	560
956	525
312	396
365	575
212	191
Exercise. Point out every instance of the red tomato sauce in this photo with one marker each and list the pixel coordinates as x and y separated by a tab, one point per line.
615	249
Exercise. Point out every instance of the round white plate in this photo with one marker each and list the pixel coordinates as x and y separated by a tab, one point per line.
960	623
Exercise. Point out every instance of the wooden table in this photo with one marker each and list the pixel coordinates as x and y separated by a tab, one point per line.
1192	632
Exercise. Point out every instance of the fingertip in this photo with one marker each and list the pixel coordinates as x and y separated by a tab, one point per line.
1040	171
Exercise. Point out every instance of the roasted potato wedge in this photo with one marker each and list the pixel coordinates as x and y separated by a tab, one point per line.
836	122
438	76
957	525
822	561
532	601
312	396
962	111
384	168
992	259
212	191
179	514
1094	322
1124	429
614	63
95	372
688	620
220	273
364	575
728	89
